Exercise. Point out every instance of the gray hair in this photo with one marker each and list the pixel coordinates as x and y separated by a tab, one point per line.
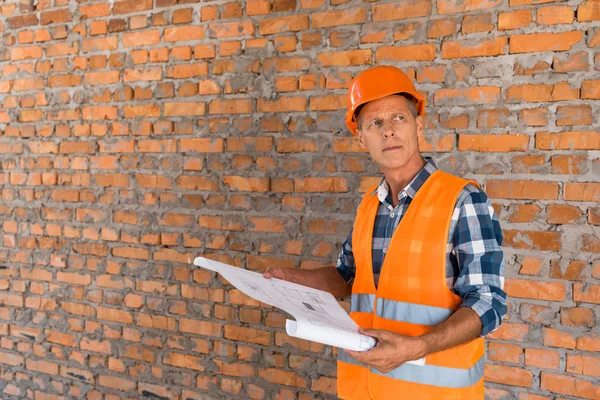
412	105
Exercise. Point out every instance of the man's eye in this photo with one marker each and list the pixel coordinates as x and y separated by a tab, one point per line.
400	117
376	123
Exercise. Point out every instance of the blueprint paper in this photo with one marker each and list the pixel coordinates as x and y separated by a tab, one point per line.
318	315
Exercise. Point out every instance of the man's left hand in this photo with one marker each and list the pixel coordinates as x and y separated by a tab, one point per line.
391	350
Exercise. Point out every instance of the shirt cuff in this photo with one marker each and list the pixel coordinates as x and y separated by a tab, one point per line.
490	318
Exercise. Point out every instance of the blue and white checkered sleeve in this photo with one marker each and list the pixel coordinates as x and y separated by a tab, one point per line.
477	239
345	263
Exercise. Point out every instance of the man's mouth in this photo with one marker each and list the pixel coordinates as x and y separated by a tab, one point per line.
392	148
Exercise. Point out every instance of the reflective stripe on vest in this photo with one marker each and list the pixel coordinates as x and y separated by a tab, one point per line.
409	312
362	303
428	374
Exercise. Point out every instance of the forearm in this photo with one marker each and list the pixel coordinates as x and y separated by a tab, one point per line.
326	278
462	327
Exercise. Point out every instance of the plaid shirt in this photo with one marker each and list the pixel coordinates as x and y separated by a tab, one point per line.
475	261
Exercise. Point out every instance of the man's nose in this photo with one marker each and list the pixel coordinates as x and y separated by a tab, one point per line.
388	129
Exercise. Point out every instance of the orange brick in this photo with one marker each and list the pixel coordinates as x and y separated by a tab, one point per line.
504	352
538	42
513	376
231	29
471	96
283	24
575	140
578	316
523	190
246	184
586	294
340	17
345	58
114	382
554	15
441	27
284	104
568	385
533	240
493	143
477	23
464	49
232	106
563	214
523	213
588	11
514	20
423	52
590	89
583	365
539	358
143	38
574	115
582	191
530	289
401	10
530	265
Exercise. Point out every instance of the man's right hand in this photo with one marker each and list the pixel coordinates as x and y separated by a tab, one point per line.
279	273
325	278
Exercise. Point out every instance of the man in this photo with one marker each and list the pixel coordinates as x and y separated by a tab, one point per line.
423	261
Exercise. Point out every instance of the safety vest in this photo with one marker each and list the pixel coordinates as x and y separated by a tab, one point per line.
412	297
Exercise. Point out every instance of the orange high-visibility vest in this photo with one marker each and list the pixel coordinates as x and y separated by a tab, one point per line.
412	297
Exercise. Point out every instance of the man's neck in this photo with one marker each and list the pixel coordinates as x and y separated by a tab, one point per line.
400	178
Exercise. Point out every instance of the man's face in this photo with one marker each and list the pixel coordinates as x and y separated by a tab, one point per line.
389	131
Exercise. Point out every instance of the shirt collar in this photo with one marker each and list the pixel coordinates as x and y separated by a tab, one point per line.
411	189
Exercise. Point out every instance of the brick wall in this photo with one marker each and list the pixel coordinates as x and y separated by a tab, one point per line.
136	135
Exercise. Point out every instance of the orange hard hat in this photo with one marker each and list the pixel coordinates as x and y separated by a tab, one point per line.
375	83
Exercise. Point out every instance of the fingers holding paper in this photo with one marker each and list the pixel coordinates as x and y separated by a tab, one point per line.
274	272
391	351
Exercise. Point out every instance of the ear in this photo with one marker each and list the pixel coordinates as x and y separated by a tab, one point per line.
420	124
361	139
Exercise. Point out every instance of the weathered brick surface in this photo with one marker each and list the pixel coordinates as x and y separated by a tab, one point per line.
137	134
